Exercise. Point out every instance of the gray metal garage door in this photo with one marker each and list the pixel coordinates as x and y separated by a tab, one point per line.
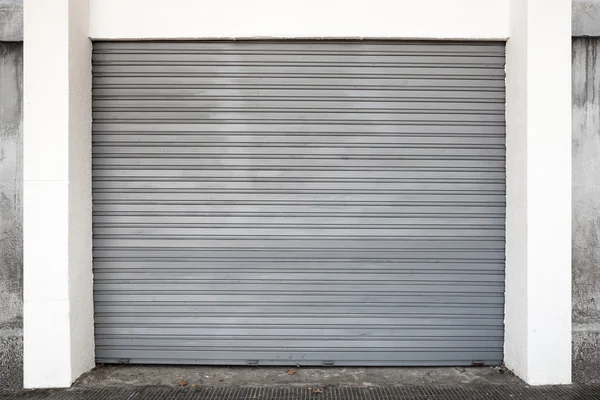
310	203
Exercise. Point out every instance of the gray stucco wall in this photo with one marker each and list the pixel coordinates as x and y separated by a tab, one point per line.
11	235
11	182
586	17
11	20
586	209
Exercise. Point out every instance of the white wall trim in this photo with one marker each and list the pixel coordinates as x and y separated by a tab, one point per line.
538	214
57	229
58	314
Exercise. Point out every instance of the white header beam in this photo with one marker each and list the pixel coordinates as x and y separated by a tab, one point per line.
202	19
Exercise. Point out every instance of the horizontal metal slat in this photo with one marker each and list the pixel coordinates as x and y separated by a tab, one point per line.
327	117
301	151
376	298
331	344
344	164
117	139
178	234
118	258
275	354
310	46
300	92
300	307
299	59
203	275
297	198
299	220
217	78
295	67
298	186
311	128
407	175
352	246
302	321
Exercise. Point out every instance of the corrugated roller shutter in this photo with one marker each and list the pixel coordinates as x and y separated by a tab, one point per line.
299	202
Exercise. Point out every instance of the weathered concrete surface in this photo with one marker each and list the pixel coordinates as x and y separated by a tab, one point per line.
11	235
122	375
586	209
586	17
586	356
11	20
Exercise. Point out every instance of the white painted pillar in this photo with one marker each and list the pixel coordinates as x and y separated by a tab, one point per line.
58	308
538	264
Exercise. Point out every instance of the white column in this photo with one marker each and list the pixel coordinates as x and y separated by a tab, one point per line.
538	253
58	308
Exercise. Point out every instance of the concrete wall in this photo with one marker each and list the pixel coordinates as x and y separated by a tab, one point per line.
11	235
586	17
586	191
11	188
586	209
11	20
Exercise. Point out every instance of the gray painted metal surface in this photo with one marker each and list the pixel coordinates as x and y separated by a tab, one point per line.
299	203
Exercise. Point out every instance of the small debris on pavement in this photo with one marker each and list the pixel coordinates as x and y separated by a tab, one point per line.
291	371
193	385
318	391
183	382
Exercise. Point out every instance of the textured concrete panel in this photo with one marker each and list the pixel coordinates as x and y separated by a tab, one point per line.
11	358
11	20
586	209
11	231
586	17
586	180
586	355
